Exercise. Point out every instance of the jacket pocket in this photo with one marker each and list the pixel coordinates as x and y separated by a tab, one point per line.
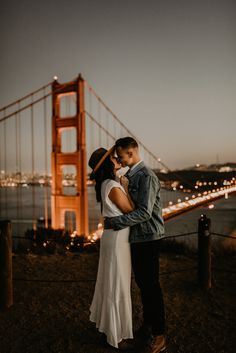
146	227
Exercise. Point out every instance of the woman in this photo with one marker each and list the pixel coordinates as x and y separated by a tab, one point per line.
111	308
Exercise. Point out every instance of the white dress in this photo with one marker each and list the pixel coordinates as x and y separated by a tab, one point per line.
111	308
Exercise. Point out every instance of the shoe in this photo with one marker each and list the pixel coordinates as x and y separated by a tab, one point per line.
125	345
156	345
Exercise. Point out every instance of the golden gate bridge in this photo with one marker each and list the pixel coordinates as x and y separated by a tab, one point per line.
49	133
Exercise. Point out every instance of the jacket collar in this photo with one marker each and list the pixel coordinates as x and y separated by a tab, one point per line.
130	173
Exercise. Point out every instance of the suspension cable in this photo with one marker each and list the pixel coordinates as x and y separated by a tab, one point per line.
17	170
91	135
99	121
155	158
19	162
25	97
46	164
33	167
99	125
107	128
90	107
122	124
25	107
32	103
5	166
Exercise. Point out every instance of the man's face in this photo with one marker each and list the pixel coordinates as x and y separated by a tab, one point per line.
125	156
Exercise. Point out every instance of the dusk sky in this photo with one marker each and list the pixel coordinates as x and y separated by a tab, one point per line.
167	68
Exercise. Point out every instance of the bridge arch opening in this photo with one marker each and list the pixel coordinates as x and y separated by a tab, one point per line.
68	140
67	104
70	220
69	180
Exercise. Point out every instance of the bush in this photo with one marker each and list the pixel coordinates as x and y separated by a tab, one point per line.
51	241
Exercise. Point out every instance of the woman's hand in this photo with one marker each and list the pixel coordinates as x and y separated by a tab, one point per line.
124	182
122	199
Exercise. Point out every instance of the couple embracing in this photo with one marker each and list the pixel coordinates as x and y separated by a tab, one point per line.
133	227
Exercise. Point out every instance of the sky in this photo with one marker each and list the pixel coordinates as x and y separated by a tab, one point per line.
166	68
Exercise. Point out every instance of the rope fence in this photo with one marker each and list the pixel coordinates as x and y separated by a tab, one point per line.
34	240
204	264
223	235
54	281
92	242
93	279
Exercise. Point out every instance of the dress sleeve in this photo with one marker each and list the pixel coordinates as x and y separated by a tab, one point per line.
113	184
110	209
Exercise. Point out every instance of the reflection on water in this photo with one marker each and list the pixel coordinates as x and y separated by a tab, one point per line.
17	205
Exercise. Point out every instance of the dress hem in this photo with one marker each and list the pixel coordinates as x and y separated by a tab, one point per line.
108	341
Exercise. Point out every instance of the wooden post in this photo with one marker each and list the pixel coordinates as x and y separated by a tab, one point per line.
6	287
204	252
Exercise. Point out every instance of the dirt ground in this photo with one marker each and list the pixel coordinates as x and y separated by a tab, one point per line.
52	317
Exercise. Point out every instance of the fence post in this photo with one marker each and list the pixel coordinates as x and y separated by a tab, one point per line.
204	252
6	287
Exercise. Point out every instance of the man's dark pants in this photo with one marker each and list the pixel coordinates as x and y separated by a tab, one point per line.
145	263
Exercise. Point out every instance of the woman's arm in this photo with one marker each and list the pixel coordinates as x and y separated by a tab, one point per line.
121	200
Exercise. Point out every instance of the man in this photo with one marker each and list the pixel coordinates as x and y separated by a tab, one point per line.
147	228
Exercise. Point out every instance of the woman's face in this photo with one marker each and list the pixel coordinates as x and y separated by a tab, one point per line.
117	165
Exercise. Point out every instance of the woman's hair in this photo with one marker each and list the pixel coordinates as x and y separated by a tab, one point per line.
106	171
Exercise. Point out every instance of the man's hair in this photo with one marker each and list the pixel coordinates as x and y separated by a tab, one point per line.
126	142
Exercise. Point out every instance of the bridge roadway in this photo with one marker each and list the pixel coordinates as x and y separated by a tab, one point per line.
22	218
174	210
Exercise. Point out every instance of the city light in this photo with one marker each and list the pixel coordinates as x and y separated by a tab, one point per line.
195	201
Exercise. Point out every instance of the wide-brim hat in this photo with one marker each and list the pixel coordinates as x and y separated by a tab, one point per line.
98	157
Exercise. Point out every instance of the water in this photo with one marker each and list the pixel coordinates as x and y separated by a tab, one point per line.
22	205
223	221
16	204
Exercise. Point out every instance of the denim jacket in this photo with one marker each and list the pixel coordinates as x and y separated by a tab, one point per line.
146	220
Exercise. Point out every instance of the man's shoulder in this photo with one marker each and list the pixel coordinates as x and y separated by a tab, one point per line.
145	172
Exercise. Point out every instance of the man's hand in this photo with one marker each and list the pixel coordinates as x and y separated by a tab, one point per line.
107	223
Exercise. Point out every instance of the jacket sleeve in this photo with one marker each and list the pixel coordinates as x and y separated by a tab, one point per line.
148	189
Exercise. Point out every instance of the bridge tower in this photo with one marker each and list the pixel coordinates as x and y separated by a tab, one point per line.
61	203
